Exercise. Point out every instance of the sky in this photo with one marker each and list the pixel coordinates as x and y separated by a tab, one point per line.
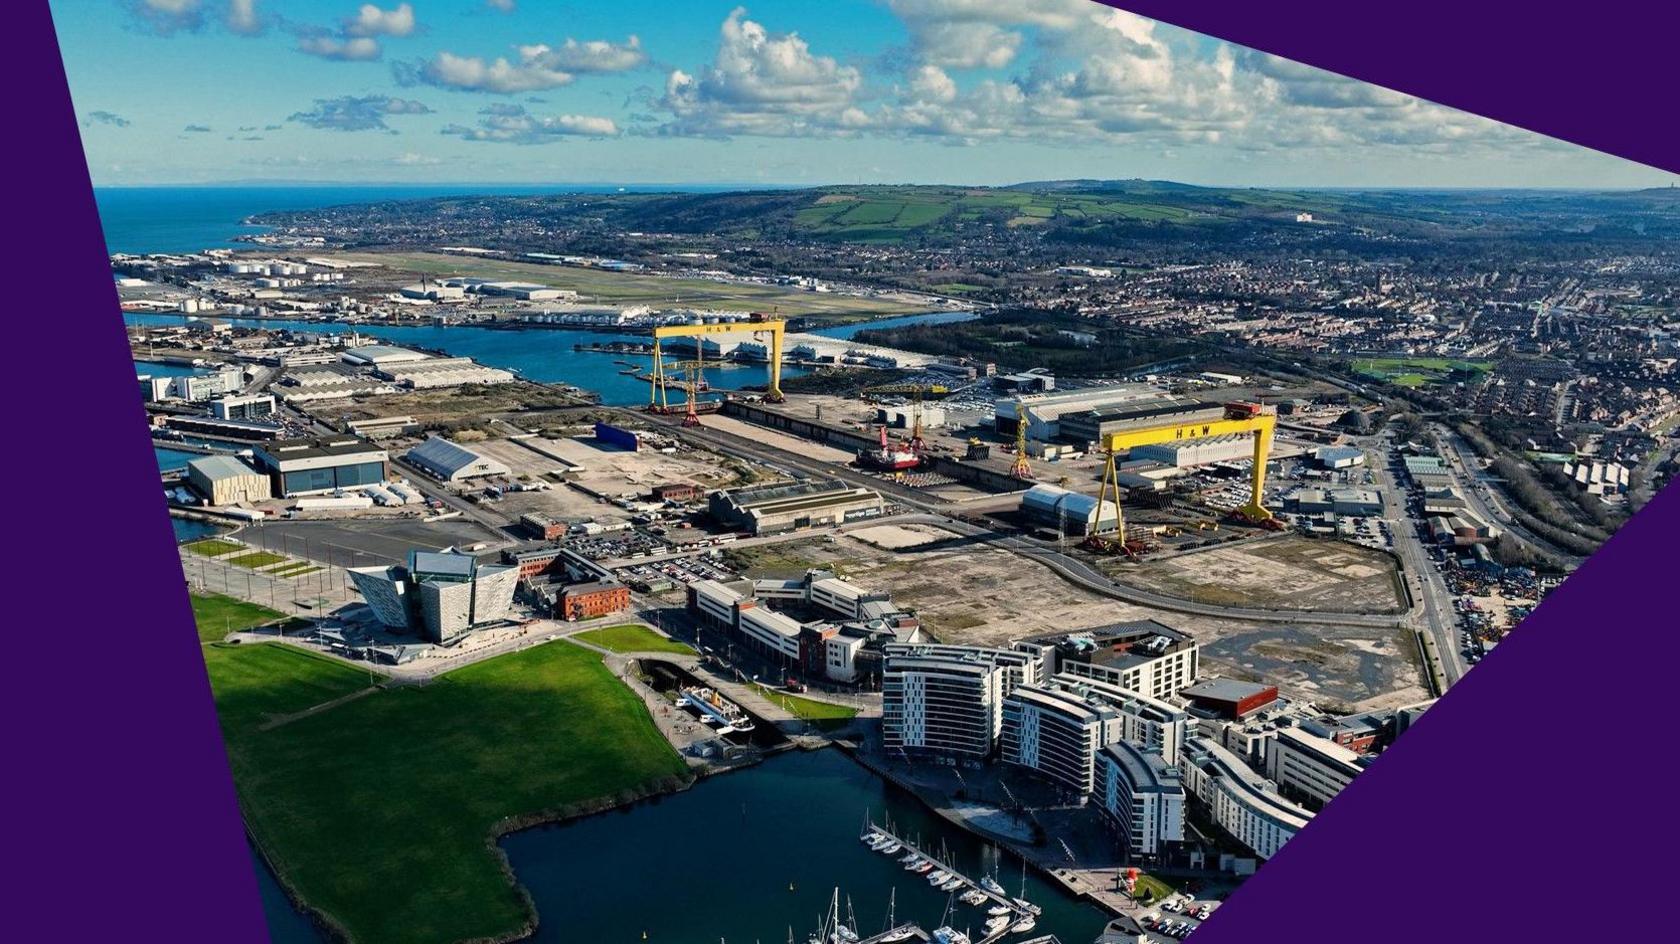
770	92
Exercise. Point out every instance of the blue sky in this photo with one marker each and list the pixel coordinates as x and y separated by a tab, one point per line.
769	92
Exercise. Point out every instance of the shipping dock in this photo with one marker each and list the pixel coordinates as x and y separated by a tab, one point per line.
1000	915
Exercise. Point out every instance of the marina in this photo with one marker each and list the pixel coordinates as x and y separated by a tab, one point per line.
1005	916
782	835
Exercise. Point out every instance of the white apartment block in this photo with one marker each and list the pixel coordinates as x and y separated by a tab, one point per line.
1310	768
1143	796
1239	800
942	704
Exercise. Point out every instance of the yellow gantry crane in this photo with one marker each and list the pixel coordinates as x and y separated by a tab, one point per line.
756	326
1240	418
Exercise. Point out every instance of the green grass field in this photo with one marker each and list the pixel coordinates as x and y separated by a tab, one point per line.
256	559
1415	371
1151	889
256	682
633	638
809	709
214	547
892	214
218	615
380	811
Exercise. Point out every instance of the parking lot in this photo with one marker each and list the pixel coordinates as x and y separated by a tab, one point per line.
1175	918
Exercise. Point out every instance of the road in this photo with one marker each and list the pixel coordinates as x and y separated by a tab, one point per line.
1072	569
1432	599
1485	500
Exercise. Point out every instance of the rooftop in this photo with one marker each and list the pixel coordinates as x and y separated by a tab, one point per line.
220	467
324	447
448	564
1224	689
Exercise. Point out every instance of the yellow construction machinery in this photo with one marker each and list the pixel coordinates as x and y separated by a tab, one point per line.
1240	419
757	326
916	393
1022	468
692	385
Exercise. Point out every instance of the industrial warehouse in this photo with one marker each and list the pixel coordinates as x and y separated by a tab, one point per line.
773	509
450	462
323	465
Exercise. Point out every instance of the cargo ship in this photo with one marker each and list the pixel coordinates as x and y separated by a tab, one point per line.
889	458
715	708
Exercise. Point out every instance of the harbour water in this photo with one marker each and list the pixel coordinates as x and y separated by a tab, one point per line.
187	529
849	331
162	369
748	856
549	355
541	354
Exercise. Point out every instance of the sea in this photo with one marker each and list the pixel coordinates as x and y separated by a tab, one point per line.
190	219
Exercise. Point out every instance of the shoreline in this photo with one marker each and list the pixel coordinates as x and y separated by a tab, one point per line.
861	757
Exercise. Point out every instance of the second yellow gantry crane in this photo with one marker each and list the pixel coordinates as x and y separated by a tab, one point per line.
757	325
1240	418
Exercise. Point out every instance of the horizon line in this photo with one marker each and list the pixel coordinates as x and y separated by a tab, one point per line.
761	185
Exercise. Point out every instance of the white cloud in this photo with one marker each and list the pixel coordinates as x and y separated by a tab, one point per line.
105	118
503	6
535	67
358	113
763	83
513	124
166	17
352	49
1084	73
970	34
357	38
243	18
370	20
931	84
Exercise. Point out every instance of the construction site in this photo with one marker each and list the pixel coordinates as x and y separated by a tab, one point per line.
995	507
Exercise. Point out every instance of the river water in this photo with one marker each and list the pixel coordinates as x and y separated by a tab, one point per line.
549	355
746	857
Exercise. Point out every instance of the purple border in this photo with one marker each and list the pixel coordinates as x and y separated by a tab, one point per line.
129	823
1599	74
1500	821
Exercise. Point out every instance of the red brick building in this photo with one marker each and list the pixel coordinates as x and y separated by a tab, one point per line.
542	527
581	601
532	563
1229	698
676	491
